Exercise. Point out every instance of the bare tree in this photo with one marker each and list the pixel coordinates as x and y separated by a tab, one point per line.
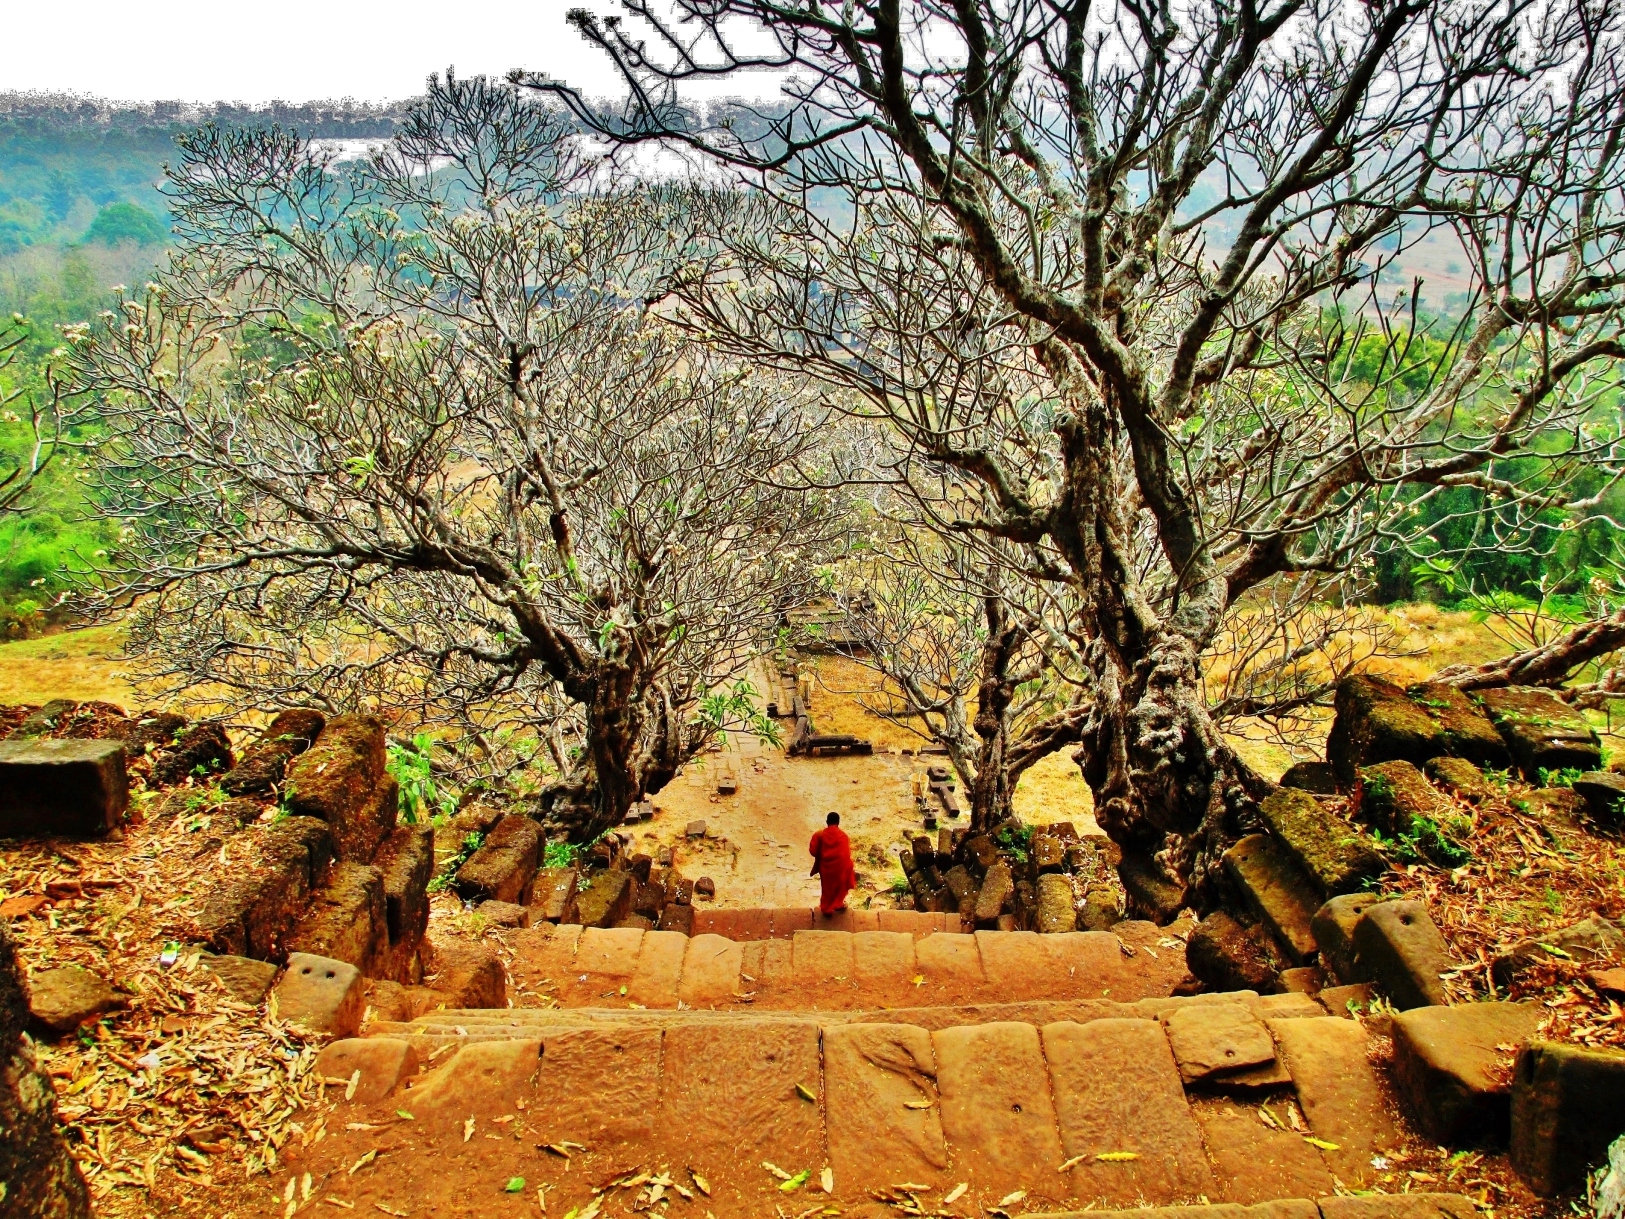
44	416
403	433
1172	231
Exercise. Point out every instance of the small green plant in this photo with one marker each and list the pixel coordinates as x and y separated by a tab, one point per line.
1015	839
900	886
421	797
471	843
560	854
1564	777
1553	900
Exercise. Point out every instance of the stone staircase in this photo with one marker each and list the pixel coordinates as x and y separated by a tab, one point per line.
862	1073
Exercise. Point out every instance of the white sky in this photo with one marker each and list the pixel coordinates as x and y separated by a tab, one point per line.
292	50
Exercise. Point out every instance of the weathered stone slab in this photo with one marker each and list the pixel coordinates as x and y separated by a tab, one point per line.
1399	948
467	975
1334	854
1338	1089
1056	913
322	995
553	894
62	999
262	765
406	861
1592	941
728	1098
347	920
1316	778
341	780
505	864
1377	721
603	898
609	952
66	788
1229	956
1253	1163
1277	888
1117	1089
954	961
883	957
997	1114
997	891
1568	1105
383	1062
1398	1206
482	1079
248	981
1461	778
1445	1061
873	1074
659	969
1541	731
1217	1039
602	1087
711	968
821	957
1394	796
1333	928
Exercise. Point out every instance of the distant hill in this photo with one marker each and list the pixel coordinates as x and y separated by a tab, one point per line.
64	159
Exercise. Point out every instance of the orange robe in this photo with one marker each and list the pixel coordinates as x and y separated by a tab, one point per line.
831	850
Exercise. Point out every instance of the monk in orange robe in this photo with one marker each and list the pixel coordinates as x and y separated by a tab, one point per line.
831	850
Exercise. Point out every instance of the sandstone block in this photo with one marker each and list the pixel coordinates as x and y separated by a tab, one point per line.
200	751
1338	1089
406	860
1568	1105
1216	1039
728	1097
1228	956
247	980
1100	910
602	1087
997	1113
60	1000
382	1061
1445	1061
468	975
1253	1163
873	1073
1279	891
1333	928
553	894
255	912
341	780
347	919
504	914
71	789
1542	732
1377	721
322	995
1151	892
505	864
1461	777
1055	904
1334	854
997	891
678	918
1117	1088
1394	796
604	898
1351	1000
1400	1206
1604	794
1316	778
481	1079
1400	949
263	764
1590	942
711	968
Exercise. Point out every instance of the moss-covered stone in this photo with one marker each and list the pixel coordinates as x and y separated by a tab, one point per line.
1541	732
1337	857
1461	778
1378	721
1318	778
1395	798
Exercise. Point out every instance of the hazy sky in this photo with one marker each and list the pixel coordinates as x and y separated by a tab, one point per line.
293	50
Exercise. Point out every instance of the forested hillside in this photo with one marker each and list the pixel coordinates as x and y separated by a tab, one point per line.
82	209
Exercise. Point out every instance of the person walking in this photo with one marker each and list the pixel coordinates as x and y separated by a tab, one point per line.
831	850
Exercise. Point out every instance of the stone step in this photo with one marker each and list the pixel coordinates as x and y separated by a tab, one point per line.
782	922
1088	1112
820	970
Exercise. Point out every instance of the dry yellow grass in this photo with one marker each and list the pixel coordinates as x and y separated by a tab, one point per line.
80	664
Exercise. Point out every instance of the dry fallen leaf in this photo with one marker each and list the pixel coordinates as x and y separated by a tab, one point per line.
955	1194
826	1180
468	1129
1012	1199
